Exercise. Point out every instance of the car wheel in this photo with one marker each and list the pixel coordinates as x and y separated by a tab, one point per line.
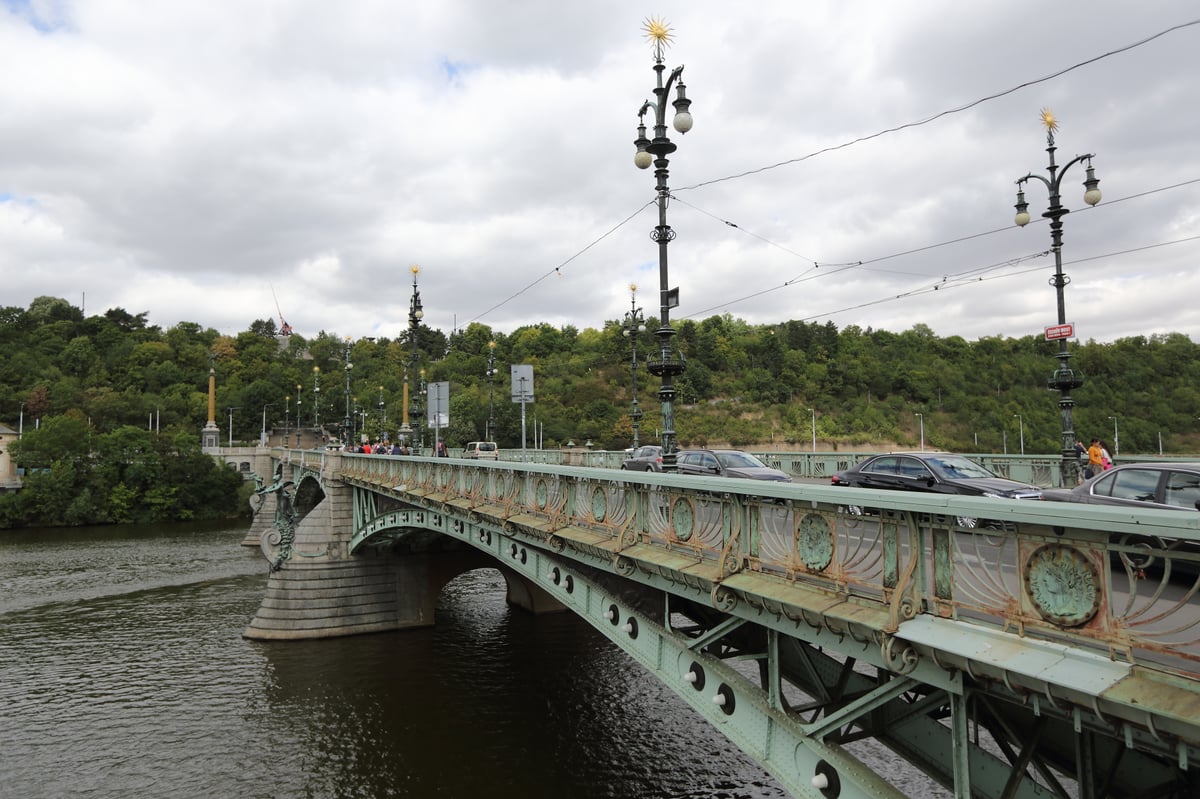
968	522
624	468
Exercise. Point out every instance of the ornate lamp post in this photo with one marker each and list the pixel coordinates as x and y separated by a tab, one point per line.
491	376
380	437
287	421
346	433
316	399
635	323
299	388
415	313
421	388
1065	378
665	363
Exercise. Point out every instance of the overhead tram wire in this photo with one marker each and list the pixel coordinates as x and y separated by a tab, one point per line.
965	278
948	112
866	263
557	270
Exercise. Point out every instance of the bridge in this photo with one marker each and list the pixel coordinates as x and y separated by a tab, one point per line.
1050	651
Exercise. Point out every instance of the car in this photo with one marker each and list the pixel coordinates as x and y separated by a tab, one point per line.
482	450
727	463
644	459
933	473
1168	486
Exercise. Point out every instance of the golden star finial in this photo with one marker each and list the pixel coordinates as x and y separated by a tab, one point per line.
657	30
414	269
1049	120
633	287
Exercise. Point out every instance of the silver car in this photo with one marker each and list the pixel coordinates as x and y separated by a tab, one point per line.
1169	486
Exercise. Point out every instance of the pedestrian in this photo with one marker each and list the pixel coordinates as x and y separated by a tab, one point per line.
441	450
1106	457
1095	463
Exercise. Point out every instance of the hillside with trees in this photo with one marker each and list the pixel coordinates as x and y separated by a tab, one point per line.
749	386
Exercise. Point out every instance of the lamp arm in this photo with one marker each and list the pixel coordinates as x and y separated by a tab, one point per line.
1073	162
1049	186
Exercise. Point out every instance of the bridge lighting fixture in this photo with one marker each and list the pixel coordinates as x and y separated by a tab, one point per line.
1064	378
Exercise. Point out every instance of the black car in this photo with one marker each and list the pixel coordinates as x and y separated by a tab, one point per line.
934	473
1168	486
727	463
644	459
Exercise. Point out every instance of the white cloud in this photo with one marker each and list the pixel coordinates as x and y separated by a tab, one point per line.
182	159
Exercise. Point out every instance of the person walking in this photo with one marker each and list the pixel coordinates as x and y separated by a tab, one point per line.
441	450
1095	463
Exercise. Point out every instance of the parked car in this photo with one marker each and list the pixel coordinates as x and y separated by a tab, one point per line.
486	450
644	459
936	473
727	463
1169	486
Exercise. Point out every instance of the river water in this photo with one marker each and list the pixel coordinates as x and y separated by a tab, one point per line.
123	673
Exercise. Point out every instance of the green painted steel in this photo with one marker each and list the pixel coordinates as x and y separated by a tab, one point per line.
1054	653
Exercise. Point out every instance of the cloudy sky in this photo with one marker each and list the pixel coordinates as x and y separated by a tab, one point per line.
850	162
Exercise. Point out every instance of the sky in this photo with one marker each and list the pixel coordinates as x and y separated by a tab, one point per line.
850	162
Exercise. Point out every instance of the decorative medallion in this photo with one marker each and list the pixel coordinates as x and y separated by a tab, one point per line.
814	542
542	495
599	503
682	519
1062	584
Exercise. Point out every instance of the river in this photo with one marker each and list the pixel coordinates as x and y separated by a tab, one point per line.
123	673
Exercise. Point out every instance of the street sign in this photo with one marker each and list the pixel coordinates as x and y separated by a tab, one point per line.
437	409
1055	332
522	382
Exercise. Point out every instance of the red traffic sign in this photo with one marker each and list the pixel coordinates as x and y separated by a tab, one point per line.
1055	332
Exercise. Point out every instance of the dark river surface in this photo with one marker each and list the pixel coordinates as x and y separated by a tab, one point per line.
123	673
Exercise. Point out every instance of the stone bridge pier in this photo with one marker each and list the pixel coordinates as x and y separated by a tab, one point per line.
317	589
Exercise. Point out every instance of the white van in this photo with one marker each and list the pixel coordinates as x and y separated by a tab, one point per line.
482	449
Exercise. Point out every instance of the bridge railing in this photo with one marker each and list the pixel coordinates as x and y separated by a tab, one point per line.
1120	583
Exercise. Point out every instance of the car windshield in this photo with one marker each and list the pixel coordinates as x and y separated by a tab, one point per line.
956	467
738	460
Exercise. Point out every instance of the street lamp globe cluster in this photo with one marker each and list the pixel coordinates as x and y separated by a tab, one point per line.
635	323
666	363
1065	379
491	376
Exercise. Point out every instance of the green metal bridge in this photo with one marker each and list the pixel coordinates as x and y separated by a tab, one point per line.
1003	648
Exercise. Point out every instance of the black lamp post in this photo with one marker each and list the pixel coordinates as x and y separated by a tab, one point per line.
299	388
287	421
380	438
665	363
491	376
1065	378
415	314
346	433
316	400
635	323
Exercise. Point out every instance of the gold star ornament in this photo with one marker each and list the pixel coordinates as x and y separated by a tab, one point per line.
1049	120
657	31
